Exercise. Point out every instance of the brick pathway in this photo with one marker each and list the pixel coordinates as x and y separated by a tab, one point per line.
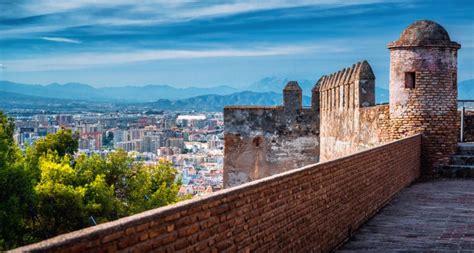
431	216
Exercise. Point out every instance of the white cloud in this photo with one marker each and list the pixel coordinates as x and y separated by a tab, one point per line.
163	11
58	39
146	12
188	8
252	5
86	60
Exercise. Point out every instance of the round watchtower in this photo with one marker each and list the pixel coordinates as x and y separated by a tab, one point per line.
423	90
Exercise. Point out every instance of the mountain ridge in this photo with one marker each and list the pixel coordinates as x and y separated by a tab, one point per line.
218	102
147	93
266	91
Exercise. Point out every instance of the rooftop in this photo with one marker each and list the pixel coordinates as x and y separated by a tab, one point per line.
424	33
292	85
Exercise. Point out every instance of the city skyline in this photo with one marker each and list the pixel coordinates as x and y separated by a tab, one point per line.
205	44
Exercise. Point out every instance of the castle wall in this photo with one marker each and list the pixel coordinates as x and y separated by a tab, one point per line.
353	130
311	209
423	92
349	121
263	141
429	108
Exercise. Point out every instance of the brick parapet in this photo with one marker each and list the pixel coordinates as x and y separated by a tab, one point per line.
311	209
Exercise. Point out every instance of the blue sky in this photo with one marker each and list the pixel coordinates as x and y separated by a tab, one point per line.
209	43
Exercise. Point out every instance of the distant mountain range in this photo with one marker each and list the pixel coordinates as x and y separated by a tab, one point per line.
276	84
267	91
19	102
217	102
148	93
80	91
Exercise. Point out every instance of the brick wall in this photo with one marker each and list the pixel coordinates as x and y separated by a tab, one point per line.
430	107
311	209
349	120
357	129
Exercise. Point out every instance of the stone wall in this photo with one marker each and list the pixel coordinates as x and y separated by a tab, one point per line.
349	120
430	107
264	141
311	209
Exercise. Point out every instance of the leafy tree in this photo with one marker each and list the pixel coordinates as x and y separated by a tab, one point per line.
8	149
100	201
46	191
135	186
164	184
60	202
64	142
118	167
16	192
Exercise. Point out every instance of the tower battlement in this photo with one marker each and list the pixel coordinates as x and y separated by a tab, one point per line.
348	88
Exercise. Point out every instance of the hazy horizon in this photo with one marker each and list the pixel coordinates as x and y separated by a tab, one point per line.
208	44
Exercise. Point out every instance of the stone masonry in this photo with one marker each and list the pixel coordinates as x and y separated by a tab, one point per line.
263	141
423	99
349	119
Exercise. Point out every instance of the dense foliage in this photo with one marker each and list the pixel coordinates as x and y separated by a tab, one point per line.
48	190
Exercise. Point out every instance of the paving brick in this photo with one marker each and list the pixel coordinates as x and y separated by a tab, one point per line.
435	215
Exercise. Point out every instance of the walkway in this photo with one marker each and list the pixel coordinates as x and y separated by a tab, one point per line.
434	216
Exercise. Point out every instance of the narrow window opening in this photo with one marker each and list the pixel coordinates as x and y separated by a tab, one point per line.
410	80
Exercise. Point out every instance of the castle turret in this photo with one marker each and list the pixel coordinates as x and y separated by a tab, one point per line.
366	87
423	90
292	96
315	97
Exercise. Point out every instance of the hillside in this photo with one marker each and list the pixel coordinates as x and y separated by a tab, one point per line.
146	93
218	102
10	101
266	91
14	101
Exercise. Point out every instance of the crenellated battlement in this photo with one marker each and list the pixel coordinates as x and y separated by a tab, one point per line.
349	119
348	88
